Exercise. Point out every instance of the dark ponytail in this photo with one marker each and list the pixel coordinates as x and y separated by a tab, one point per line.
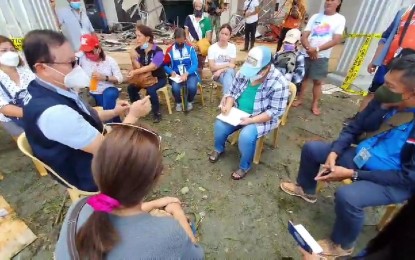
96	237
125	151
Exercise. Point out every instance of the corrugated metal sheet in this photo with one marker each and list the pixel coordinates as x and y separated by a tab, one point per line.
17	17
369	17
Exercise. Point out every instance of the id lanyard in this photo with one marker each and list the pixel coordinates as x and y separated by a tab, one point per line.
76	17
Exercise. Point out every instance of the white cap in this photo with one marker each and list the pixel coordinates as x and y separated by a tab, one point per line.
258	58
293	36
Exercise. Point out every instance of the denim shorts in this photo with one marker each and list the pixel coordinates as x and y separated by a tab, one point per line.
316	69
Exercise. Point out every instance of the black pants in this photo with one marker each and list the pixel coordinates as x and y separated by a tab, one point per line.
281	38
250	30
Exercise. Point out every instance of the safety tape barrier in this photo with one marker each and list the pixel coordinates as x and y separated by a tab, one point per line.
353	72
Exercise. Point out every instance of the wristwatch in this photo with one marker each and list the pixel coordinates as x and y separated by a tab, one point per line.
107	78
355	176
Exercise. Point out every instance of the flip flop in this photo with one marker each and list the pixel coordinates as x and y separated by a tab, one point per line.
241	173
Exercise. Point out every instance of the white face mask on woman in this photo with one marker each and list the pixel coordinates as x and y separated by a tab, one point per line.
76	79
10	58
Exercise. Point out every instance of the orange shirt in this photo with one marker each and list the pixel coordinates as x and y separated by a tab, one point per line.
291	22
407	42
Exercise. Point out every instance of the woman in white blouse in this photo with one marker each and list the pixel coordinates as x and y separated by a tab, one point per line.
14	79
103	69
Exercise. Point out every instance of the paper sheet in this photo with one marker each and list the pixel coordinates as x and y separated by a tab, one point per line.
176	79
234	116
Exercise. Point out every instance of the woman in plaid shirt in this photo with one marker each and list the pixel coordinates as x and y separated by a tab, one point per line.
260	90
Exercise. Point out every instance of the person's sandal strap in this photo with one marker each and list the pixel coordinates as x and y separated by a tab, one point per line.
241	173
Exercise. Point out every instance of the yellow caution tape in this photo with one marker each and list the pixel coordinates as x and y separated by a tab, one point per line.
353	72
18	42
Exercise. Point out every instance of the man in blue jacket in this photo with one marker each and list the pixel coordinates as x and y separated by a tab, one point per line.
381	166
181	64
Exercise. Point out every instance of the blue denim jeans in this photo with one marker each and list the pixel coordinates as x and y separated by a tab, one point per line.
350	200
246	143
134	94
107	100
226	80
191	84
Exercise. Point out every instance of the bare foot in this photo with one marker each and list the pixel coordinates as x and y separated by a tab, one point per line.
297	103
316	111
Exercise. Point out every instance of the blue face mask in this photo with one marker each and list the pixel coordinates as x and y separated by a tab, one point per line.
75	5
144	46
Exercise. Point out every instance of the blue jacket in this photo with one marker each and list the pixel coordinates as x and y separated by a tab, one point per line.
185	56
370	120
72	165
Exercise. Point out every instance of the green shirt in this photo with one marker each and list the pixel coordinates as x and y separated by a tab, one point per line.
205	26
247	99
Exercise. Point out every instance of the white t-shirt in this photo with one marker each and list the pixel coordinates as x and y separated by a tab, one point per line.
220	55
323	28
253	4
109	67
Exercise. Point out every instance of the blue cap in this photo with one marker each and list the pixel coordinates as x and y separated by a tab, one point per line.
258	58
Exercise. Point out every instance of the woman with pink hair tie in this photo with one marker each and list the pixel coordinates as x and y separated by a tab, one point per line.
116	223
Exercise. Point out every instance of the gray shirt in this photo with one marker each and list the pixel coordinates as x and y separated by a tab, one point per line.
142	237
74	25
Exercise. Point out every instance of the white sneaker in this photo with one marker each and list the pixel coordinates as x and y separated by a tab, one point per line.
179	108
189	106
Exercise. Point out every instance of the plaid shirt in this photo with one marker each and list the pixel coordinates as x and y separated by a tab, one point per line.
271	98
298	74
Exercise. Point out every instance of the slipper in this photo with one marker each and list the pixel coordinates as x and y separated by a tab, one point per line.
240	173
214	156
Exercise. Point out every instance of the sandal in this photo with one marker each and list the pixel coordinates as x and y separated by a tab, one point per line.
240	174
214	156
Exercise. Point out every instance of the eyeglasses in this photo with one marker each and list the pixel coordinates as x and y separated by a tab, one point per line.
108	129
73	62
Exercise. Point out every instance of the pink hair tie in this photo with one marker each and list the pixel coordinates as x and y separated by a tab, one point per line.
103	203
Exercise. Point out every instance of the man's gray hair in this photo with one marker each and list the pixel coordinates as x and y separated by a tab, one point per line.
201	1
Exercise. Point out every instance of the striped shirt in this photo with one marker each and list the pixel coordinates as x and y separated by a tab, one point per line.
271	98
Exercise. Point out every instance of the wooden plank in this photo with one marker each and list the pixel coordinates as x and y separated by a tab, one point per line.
15	235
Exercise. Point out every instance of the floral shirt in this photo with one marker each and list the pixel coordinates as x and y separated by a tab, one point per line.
26	76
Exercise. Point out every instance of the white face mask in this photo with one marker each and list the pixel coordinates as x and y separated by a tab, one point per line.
10	59
76	79
255	78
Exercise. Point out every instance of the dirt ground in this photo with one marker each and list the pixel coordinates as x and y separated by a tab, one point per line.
243	219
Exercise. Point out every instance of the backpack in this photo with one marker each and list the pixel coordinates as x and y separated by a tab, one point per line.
285	62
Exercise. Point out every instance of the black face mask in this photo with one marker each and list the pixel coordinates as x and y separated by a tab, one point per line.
179	45
198	13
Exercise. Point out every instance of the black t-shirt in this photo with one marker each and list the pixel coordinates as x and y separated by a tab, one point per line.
146	58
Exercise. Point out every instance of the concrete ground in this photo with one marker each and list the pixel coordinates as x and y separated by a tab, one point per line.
244	219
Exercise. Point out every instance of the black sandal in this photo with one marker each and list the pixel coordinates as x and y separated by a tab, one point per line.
240	173
214	156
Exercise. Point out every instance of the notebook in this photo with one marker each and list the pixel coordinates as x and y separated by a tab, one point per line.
234	117
304	239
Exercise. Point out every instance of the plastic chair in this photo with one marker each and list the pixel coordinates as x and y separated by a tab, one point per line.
219	89
275	132
74	193
166	92
200	91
